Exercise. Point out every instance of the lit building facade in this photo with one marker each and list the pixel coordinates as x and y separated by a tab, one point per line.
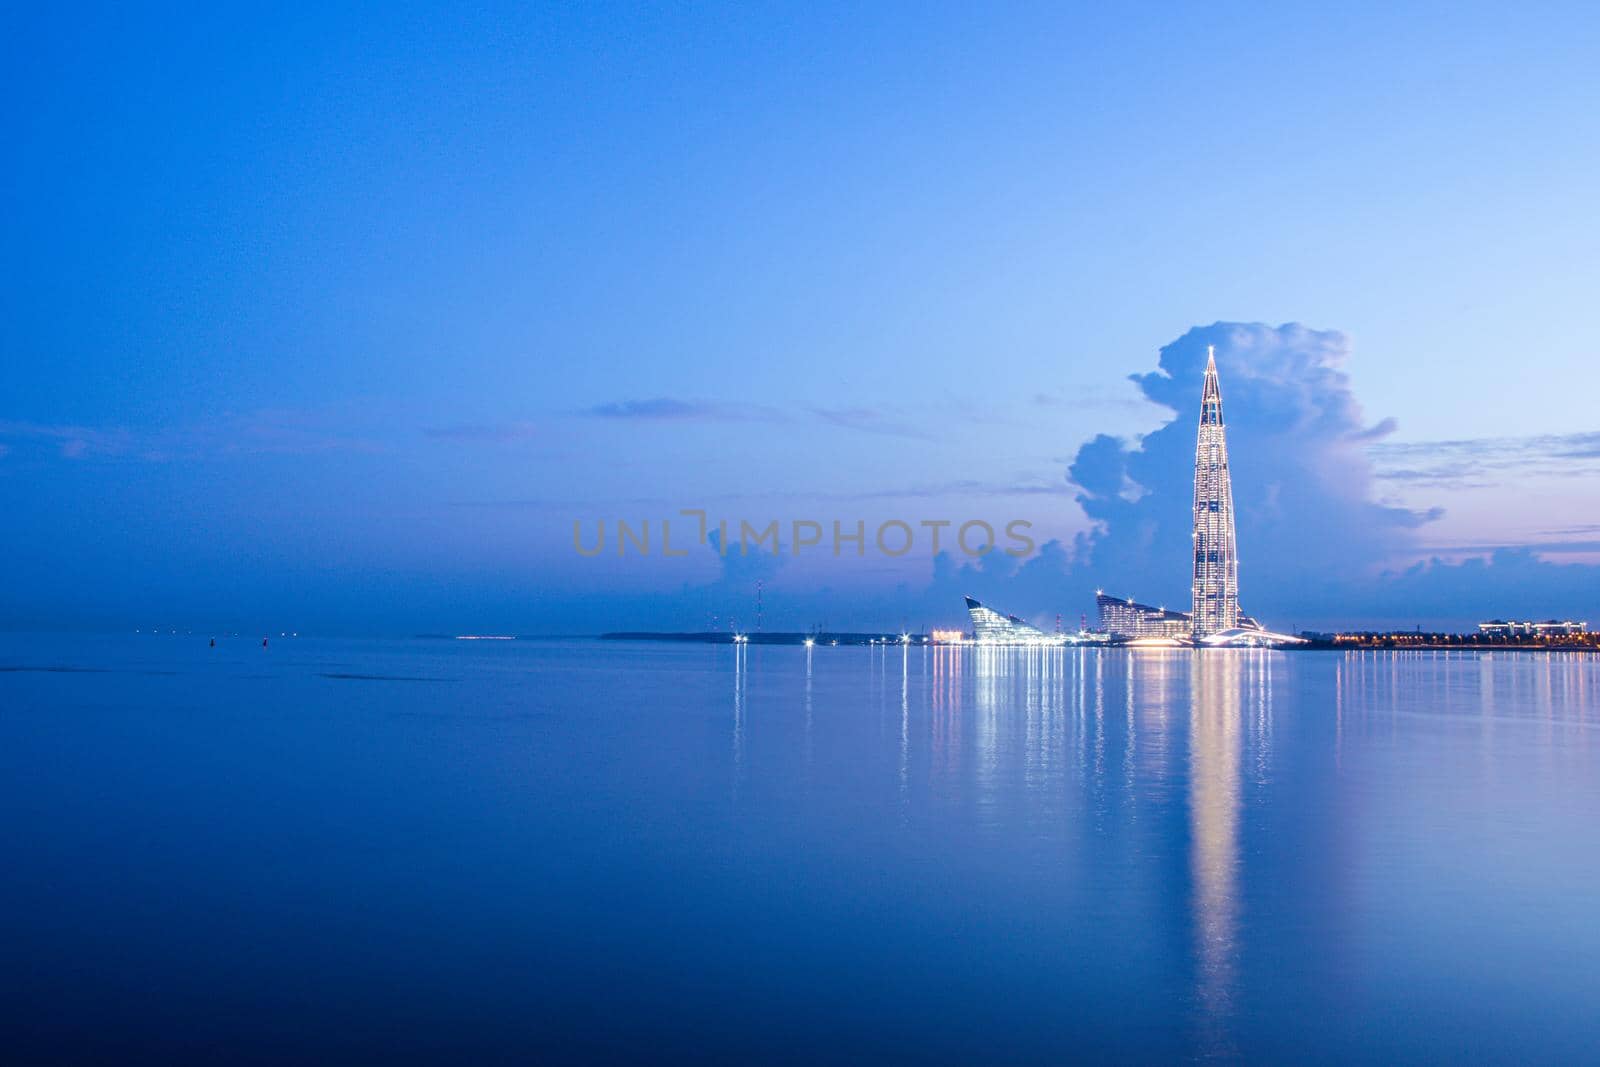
1215	603
1548	628
989	627
1128	618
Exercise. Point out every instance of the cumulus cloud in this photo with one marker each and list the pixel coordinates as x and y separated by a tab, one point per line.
1507	583
1379	430
1310	532
1302	479
1316	548
729	598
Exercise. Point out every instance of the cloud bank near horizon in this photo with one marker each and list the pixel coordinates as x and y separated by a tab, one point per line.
1303	482
1317	548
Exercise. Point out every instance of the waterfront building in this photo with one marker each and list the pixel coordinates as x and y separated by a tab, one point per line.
989	627
1122	622
1248	637
1215	589
1121	617
1548	628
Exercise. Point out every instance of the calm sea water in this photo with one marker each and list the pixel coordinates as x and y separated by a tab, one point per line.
544	851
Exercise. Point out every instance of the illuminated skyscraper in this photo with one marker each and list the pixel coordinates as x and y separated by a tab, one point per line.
1216	558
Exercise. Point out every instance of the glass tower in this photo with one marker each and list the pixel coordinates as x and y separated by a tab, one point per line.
1216	558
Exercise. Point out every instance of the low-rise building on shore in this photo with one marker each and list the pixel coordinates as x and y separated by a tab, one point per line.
1547	628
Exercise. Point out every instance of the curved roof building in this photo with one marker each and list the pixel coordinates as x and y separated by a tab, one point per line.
989	627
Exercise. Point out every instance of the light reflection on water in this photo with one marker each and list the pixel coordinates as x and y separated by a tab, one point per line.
1040	723
1214	712
1035	684
599	850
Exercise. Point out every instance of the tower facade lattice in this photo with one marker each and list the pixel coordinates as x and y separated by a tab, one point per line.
1216	555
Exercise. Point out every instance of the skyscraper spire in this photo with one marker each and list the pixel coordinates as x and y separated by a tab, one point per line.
1216	559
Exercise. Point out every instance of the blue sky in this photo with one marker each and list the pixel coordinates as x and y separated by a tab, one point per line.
338	318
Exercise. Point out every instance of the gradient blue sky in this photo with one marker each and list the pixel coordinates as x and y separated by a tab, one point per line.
337	317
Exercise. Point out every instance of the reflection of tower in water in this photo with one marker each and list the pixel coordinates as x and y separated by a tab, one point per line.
739	654
809	751
1214	798
905	721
